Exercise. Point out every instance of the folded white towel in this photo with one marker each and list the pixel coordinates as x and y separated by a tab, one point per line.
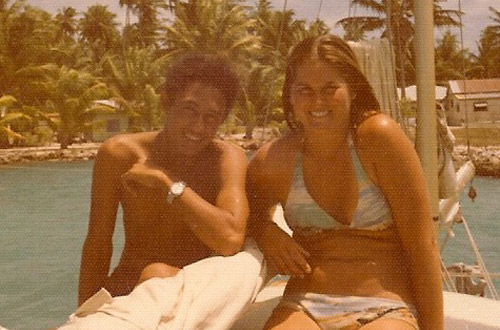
210	294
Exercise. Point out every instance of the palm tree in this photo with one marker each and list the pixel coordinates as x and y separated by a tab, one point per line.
279	32
67	92
98	30
395	19
448	55
148	22
213	26
27	36
134	79
9	118
130	5
68	25
489	48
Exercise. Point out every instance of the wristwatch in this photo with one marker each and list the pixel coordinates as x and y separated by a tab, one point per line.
175	191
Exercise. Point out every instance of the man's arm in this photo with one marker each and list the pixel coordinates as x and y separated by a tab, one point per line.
221	226
98	246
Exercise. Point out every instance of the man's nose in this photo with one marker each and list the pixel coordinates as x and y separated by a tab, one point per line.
198	125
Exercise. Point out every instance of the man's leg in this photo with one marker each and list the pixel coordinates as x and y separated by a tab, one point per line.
157	269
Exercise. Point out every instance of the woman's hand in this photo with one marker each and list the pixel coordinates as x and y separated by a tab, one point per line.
143	174
282	252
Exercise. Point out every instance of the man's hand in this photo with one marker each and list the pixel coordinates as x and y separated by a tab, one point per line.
144	174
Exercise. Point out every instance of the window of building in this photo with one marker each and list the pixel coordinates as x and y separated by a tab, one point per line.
112	125
480	106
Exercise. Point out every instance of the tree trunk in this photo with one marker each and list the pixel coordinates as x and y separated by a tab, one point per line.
249	131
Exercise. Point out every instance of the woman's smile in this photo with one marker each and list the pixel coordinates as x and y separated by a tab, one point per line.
320	98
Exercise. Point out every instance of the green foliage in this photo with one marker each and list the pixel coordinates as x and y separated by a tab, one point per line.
396	21
489	48
54	67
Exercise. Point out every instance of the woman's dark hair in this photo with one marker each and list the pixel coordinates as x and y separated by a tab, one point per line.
212	70
335	52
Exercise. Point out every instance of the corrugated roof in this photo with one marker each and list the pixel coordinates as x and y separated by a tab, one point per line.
473	86
411	93
478	96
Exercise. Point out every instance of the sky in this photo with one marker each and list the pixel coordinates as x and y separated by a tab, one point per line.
476	18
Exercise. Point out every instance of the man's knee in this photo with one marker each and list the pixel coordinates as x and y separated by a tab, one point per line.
157	269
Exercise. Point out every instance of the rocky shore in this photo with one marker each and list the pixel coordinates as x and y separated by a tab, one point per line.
84	151
486	159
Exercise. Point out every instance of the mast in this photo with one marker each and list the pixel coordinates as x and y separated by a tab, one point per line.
426	136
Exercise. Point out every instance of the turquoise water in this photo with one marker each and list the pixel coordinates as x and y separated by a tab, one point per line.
43	222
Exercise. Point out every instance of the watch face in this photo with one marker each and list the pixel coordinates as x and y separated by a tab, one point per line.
177	188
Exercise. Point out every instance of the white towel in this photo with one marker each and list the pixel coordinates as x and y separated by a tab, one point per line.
210	294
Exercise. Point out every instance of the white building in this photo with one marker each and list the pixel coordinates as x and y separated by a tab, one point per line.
473	101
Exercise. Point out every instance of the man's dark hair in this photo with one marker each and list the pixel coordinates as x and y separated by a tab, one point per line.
213	70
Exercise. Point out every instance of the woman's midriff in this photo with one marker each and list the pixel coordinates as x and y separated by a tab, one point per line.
355	263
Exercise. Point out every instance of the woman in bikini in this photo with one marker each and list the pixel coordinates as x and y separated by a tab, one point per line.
363	253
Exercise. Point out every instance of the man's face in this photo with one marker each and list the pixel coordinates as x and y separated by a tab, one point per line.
194	117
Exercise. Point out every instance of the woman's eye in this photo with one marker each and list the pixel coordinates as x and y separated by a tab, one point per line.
190	111
211	119
304	91
330	90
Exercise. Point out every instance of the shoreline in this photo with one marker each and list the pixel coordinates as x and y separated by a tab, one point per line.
486	159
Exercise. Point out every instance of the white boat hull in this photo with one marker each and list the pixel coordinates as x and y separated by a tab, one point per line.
462	312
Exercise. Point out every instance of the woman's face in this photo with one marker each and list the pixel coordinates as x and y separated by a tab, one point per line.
320	97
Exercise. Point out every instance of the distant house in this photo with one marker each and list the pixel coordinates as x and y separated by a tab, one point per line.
476	100
411	93
107	123
411	96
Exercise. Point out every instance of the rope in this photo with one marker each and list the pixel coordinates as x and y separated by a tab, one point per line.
480	262
269	98
319	9
464	80
447	279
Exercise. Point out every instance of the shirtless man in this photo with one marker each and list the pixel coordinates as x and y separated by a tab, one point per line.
182	190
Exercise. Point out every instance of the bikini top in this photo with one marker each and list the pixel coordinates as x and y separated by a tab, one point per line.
304	215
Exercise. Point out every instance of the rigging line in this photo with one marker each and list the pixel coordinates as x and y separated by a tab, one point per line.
278	44
319	9
464	81
447	279
480	261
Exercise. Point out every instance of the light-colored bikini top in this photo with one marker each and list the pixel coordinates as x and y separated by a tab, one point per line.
303	214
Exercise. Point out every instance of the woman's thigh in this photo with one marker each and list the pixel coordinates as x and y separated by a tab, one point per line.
286	318
389	324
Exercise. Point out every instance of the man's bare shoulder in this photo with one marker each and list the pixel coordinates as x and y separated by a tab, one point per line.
127	147
229	159
229	150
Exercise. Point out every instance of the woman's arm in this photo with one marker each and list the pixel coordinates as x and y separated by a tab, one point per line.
267	186
401	178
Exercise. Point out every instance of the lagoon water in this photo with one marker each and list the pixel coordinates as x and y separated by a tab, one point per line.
43	222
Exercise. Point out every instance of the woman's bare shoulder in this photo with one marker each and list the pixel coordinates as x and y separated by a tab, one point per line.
381	133
275	158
